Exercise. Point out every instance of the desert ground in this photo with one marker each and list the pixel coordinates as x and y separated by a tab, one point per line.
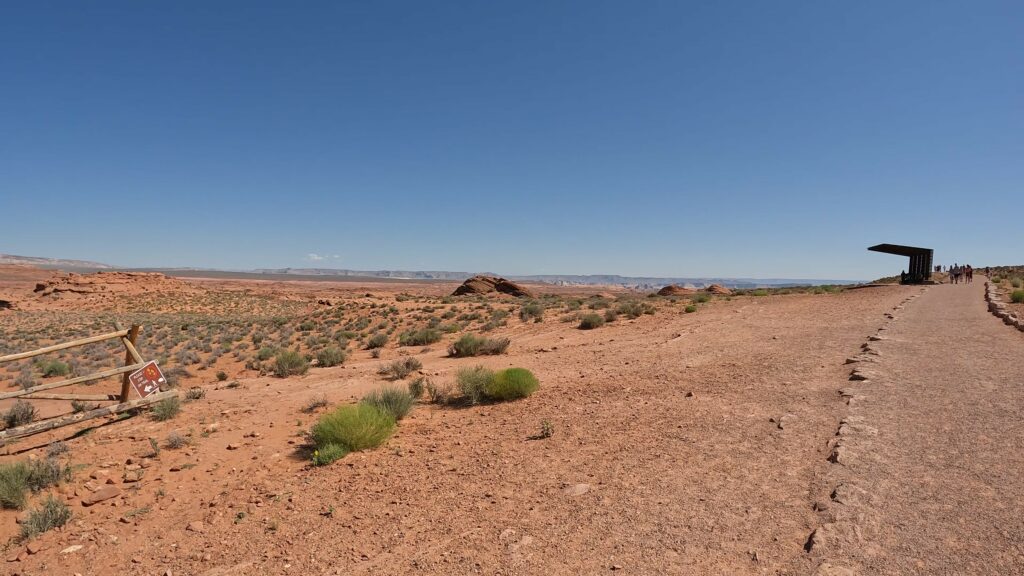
875	430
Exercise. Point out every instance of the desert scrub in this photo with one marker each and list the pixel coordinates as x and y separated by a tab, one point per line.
511	384
701	298
289	363
330	356
610	315
438	393
18	478
20	413
353	427
399	369
420	337
327	454
176	440
314	403
221	376
51	514
417	387
634	309
473	382
54	368
378	340
690	309
591	321
166	409
470	345
1017	297
391	400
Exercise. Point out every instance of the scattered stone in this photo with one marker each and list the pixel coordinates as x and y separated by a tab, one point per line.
132	476
196	526
72	549
577	490
234	446
105	493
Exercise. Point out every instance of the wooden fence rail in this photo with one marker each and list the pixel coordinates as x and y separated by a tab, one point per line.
133	361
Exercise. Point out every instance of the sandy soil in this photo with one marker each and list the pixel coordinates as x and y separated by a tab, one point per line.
683	444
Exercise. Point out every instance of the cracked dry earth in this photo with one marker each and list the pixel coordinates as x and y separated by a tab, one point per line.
684	444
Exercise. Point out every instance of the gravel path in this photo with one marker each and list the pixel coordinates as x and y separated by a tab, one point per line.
929	478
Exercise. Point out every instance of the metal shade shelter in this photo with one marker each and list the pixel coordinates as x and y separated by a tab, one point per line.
920	269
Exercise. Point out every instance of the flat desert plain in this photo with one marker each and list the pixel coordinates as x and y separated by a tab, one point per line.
863	431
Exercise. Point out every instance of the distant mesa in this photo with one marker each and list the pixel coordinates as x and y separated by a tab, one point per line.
110	283
488	284
717	289
675	290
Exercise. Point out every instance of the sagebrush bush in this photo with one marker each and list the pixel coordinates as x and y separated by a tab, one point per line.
289	363
399	369
634	309
52	514
378	340
20	413
1017	297
221	376
314	403
391	400
610	315
690	309
353	427
420	337
591	321
473	382
176	440
511	384
166	409
438	393
330	356
417	387
1016	283
55	368
470	345
701	298
532	311
18	478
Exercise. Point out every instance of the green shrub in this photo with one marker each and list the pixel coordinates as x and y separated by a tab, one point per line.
13	485
20	413
1016	283
399	369
330	356
690	309
438	393
353	427
610	315
473	382
391	400
329	453
1017	297
634	309
701	298
266	353
759	292
222	376
417	387
55	368
511	384
591	321
378	340
996	279
532	311
289	363
470	345
166	409
52	514
420	337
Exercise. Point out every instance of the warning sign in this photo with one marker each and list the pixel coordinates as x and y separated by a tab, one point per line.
148	379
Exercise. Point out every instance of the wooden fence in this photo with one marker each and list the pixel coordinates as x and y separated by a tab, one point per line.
132	361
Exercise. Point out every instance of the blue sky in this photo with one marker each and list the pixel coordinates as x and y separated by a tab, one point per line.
766	139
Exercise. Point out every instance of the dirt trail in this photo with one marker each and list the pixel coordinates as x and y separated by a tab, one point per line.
930	473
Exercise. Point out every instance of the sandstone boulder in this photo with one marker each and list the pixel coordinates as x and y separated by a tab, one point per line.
675	290
717	289
488	284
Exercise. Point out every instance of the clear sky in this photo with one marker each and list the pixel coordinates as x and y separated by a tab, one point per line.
765	139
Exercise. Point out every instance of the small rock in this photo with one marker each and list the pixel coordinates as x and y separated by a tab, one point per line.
72	549
234	446
577	490
105	493
196	526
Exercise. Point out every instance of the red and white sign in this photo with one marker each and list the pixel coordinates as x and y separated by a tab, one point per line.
148	379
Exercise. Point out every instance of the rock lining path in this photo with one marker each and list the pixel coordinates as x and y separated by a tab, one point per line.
931	479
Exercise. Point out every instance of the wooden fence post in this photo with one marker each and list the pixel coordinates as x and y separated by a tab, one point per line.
126	388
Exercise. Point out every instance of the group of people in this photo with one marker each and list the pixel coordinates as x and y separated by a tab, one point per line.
958	274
